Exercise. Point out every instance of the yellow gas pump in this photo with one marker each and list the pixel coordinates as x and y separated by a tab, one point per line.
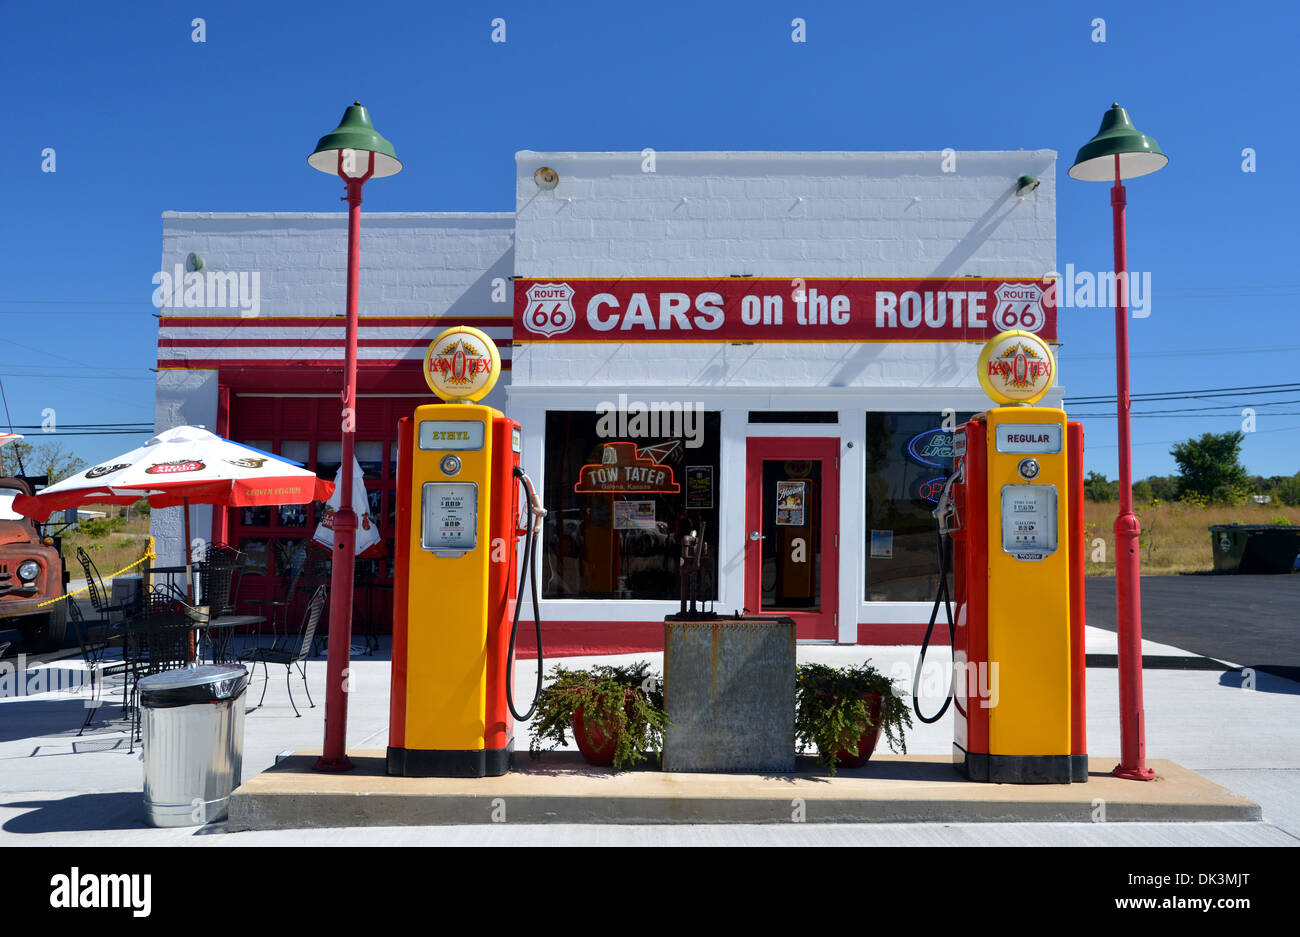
454	591
1013	510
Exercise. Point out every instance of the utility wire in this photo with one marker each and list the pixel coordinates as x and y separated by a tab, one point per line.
1189	394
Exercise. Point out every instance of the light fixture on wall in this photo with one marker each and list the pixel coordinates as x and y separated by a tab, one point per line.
546	178
193	263
1025	185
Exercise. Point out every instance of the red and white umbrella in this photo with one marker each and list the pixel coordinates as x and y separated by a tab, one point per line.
178	467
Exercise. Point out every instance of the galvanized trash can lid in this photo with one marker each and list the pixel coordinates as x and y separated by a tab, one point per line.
207	683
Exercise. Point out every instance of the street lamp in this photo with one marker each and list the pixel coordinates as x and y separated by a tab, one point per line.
1119	151
355	152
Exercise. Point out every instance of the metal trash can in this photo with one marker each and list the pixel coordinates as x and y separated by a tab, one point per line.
193	725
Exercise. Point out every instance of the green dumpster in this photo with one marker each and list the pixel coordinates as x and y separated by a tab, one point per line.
1254	548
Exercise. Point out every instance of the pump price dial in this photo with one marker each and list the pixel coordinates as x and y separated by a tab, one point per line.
449	517
1029	520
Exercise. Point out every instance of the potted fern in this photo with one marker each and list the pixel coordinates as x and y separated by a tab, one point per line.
616	714
841	710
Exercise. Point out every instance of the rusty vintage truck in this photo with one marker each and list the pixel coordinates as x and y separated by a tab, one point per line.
31	575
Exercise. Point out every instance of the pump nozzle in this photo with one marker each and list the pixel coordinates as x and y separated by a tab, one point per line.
946	508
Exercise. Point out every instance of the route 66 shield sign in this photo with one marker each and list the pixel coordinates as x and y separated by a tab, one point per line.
1020	307
550	309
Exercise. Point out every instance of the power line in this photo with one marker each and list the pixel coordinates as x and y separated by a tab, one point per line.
1190	353
1205	410
1167	442
1189	394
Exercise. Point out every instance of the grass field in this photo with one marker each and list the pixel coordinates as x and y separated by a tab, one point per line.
1175	537
112	551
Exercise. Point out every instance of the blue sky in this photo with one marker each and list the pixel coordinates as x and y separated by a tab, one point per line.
142	120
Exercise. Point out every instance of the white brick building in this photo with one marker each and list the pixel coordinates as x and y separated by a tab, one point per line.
895	264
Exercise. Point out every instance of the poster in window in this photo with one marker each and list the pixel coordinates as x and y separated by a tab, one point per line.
634	515
699	487
791	500
882	544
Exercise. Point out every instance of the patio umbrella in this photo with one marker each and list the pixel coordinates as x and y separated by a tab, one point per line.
178	467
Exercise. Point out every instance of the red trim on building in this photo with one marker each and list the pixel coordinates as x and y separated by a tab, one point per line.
588	638
300	367
301	343
338	321
220	516
910	634
581	638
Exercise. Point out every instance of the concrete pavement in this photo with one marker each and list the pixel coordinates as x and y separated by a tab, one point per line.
59	789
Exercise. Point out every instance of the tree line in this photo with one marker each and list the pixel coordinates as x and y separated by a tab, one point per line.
1209	472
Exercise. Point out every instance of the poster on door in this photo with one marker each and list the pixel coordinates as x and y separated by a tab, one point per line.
791	503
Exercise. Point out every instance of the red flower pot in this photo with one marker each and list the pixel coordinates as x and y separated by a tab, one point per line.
595	744
866	741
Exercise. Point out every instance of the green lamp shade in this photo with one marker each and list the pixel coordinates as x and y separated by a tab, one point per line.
355	132
1138	154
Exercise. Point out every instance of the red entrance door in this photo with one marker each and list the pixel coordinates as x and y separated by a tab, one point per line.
792	510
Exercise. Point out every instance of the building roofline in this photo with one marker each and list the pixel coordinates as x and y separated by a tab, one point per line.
741	156
500	216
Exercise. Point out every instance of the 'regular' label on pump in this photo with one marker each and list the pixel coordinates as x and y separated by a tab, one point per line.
1029	437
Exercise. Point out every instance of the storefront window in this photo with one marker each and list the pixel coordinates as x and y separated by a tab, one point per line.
296	450
370	456
257	557
909	457
618	505
293	515
329	456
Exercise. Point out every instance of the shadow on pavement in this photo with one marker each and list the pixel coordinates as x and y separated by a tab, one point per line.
122	810
43	718
1268	678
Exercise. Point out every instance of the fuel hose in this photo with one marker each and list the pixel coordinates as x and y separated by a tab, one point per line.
536	512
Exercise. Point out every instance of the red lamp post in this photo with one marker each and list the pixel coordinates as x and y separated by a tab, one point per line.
1119	152
355	152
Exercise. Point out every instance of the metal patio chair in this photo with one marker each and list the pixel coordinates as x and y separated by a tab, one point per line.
302	576
94	642
99	596
156	640
294	655
220	575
